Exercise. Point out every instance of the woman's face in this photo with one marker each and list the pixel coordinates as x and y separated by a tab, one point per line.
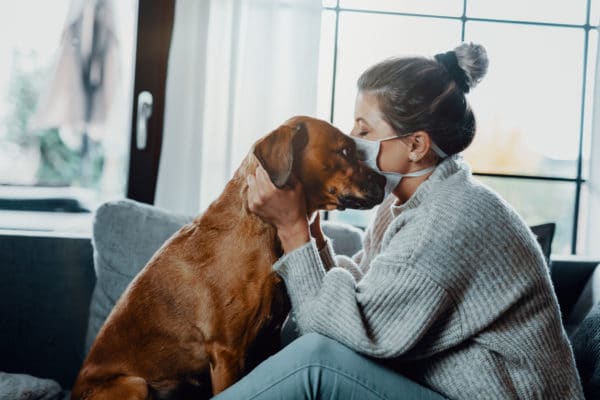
369	124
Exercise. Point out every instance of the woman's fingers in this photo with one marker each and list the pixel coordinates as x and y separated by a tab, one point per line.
263	177
315	225
254	201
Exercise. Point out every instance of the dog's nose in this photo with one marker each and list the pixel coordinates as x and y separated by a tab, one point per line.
373	176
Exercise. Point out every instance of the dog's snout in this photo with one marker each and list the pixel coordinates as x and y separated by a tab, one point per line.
372	175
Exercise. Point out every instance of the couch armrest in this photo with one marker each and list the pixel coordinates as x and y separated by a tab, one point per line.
345	239
46	284
570	274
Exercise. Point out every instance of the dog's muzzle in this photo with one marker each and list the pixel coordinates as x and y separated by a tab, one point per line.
373	197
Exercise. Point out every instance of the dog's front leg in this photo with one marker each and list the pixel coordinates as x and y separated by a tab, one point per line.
226	366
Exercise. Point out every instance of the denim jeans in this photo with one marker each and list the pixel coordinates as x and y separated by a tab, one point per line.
316	367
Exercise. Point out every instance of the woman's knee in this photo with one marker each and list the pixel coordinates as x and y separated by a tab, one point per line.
314	348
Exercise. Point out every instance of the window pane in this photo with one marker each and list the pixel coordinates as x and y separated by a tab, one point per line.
329	3
440	7
326	52
92	156
365	39
590	94
557	11
540	202
528	107
26	56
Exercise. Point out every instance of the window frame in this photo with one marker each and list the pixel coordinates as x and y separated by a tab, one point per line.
154	29
579	179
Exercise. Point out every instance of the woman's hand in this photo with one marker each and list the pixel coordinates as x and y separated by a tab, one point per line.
285	209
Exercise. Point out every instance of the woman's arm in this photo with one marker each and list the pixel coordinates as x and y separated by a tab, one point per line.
327	255
384	315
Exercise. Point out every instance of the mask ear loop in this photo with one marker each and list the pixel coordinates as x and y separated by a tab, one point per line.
437	150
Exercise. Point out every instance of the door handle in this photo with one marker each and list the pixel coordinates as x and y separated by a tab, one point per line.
144	111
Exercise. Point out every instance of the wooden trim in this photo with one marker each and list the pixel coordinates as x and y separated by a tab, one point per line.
155	25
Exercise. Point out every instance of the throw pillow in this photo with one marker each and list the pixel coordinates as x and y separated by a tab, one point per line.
125	236
544	234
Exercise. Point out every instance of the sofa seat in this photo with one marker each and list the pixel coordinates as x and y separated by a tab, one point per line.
125	235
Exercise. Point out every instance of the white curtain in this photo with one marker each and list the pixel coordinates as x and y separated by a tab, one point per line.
237	70
592	214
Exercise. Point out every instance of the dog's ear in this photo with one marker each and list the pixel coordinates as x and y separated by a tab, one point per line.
279	149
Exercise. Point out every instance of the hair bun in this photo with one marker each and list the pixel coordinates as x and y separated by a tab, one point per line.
467	64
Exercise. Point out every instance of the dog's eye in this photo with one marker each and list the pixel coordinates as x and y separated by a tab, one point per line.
347	152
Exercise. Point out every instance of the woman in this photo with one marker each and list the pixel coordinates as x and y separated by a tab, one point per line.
450	292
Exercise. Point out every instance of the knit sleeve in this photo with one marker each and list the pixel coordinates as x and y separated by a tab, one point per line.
384	315
330	260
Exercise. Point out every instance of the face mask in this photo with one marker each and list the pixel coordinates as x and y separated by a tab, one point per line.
368	150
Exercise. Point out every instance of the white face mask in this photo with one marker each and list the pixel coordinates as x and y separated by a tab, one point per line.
368	151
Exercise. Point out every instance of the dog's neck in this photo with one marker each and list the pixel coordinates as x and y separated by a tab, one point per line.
235	198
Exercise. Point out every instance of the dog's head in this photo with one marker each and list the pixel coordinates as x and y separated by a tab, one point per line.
324	160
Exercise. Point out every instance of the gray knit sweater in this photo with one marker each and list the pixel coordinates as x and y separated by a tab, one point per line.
451	285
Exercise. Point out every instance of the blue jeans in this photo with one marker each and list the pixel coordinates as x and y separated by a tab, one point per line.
316	367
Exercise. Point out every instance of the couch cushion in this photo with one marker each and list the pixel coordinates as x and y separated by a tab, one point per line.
586	348
345	239
544	234
126	234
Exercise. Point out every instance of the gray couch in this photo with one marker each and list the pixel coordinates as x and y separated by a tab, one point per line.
57	291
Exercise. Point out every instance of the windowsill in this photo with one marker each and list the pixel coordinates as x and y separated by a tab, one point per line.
40	223
574	258
46	211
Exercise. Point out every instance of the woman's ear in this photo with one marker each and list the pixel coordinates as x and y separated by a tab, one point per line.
420	145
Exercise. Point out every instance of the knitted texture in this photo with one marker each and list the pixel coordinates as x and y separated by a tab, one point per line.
450	287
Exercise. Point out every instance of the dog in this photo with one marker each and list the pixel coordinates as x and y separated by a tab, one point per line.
192	314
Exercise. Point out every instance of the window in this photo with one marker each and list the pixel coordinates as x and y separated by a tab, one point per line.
54	164
533	108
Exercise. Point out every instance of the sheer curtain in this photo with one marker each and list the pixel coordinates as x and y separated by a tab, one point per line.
237	70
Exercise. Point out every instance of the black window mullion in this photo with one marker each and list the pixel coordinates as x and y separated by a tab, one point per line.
534	177
581	128
463	21
335	57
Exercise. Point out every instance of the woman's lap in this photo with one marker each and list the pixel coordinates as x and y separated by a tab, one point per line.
316	367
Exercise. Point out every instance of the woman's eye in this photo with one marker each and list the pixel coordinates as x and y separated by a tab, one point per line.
363	133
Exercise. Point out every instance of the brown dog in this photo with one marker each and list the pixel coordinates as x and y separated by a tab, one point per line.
203	298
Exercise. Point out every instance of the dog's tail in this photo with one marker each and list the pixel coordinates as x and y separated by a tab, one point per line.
122	388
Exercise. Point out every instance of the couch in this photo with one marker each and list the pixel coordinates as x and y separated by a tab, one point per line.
57	291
